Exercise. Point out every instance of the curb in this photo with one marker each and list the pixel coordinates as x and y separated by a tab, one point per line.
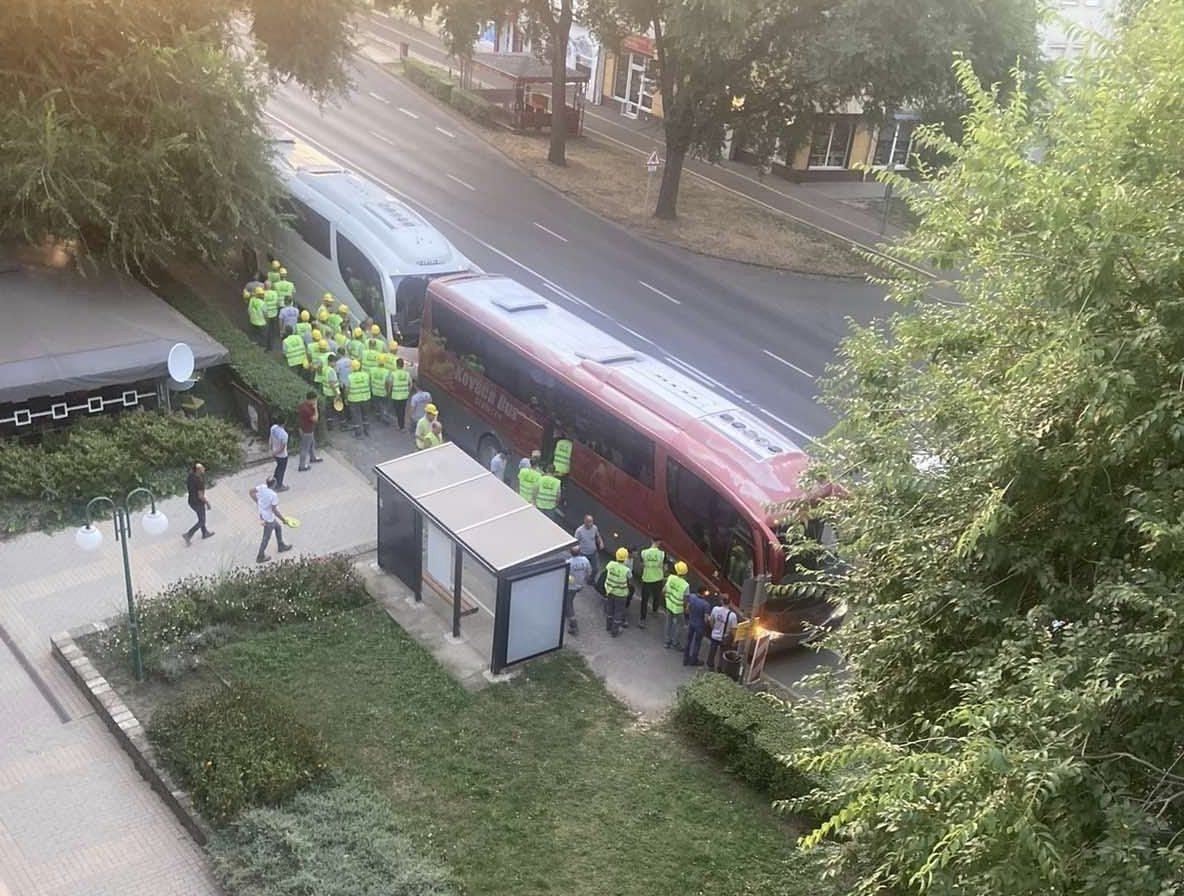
126	727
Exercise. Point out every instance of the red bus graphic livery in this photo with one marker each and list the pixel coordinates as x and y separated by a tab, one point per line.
654	452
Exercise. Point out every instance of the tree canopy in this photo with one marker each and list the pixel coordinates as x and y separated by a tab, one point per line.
1010	721
760	66
134	129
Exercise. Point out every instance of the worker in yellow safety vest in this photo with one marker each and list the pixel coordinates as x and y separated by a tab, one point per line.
295	352
285	287
331	389
562	457
356	345
400	392
546	496
335	319
257	315
528	478
675	591
304	327
357	396
617	588
273	275
271	307
380	390
653	574
423	429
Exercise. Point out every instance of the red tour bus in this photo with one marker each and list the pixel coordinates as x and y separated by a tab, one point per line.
654	451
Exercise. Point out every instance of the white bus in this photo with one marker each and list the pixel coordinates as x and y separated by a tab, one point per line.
349	237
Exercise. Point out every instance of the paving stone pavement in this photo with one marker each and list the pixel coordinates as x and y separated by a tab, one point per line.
76	819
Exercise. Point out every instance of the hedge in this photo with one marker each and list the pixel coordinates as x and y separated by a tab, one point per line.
201	612
263	373
339	840
48	483
747	730
233	748
475	107
434	80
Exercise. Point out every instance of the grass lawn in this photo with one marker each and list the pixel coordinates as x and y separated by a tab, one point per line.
542	785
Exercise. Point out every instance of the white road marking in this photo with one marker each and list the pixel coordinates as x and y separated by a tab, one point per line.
408	112
789	364
447	134
542	278
462	183
669	298
632	332
562	239
381	99
383	138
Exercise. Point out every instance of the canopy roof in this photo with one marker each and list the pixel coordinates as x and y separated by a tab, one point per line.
524	68
71	333
487	518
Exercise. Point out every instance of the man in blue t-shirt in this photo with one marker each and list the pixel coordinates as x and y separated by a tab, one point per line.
698	609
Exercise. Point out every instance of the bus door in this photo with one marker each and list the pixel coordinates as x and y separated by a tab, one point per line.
722	534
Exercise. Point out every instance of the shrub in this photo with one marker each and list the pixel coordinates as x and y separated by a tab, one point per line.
111	456
232	748
340	840
475	107
745	729
265	374
201	612
434	80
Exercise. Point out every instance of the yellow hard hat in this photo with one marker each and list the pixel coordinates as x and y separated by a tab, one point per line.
304	315
355	365
327	297
316	335
393	345
323	345
322	315
343	309
283	272
622	555
375	330
358	334
680	568
431	409
275	264
259	290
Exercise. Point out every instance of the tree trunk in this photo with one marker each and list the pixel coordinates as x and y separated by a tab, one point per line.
671	179
560	33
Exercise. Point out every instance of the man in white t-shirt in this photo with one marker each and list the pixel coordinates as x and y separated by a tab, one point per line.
268	504
724	619
277	441
497	465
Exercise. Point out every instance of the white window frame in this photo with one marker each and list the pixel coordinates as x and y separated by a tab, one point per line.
896	125
834	122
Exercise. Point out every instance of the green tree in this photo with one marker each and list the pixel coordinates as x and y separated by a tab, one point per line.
1010	721
134	130
759	67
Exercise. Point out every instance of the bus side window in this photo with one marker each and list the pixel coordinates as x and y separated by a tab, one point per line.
708	518
312	226
361	277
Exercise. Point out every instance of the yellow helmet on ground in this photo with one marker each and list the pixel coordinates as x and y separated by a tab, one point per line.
622	555
375	330
680	568
304	316
355	365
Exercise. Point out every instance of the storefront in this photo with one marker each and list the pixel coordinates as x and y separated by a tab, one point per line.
632	76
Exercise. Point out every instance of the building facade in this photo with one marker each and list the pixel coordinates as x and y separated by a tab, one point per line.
1071	23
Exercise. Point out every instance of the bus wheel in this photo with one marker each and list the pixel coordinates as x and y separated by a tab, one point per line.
487	448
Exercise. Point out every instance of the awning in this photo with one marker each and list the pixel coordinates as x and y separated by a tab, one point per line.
65	332
489	519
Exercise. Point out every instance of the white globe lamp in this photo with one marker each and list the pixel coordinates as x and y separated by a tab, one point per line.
155	522
88	537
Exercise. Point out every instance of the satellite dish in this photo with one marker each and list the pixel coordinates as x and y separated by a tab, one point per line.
181	362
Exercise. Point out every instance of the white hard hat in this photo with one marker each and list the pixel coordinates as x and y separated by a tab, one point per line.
524	463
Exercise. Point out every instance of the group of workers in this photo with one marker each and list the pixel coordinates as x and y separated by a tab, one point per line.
351	363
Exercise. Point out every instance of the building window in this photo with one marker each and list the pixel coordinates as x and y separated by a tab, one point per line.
830	144
894	144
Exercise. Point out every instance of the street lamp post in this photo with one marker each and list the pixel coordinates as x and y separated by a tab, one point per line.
89	538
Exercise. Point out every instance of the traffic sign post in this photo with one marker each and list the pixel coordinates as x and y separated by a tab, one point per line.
651	166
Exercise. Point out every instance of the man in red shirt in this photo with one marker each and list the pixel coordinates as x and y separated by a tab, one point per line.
309	416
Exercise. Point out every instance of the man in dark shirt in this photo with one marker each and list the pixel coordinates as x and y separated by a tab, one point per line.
196	483
698	610
309	415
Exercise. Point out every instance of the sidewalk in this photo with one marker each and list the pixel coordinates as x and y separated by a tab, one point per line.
75	817
823	206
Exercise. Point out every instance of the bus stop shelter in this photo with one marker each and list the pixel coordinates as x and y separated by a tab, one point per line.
437	507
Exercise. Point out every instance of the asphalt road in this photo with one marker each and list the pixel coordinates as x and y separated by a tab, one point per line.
761	336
